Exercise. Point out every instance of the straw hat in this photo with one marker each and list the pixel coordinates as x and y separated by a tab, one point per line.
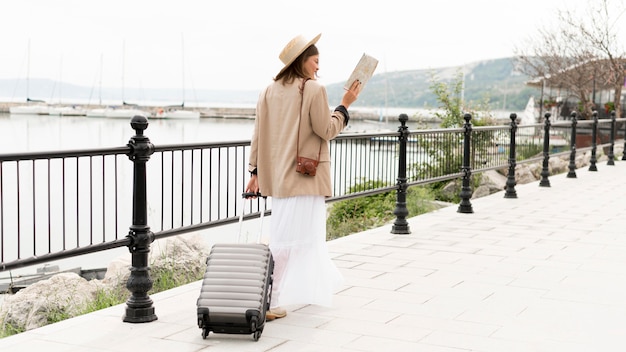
294	48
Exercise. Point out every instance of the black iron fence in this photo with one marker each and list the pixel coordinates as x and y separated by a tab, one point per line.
57	205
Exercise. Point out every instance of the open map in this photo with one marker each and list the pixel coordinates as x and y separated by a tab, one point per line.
363	71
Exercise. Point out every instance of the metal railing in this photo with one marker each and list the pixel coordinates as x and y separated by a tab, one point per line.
57	205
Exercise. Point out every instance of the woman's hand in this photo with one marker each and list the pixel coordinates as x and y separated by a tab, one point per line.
351	94
253	184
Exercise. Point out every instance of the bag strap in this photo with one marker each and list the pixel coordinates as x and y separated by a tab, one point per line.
319	152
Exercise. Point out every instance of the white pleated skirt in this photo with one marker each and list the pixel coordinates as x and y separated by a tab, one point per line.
304	272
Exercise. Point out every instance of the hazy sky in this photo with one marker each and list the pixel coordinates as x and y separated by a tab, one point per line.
235	44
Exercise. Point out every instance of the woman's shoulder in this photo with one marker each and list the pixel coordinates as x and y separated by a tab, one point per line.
311	87
315	87
316	84
273	88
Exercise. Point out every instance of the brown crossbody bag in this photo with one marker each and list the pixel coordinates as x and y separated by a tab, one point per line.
304	165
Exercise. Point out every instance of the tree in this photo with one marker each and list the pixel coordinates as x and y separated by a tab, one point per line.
453	105
599	33
449	98
555	57
578	54
445	151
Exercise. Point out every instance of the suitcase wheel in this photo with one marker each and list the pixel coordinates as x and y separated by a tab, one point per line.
205	333
256	334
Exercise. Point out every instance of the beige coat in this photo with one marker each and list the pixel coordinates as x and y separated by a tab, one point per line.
273	145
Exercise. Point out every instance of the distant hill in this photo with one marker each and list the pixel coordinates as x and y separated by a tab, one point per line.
496	79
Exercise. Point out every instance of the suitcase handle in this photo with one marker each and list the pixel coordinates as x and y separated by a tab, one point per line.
246	196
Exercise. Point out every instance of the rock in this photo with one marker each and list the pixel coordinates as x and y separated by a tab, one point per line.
450	190
523	174
182	257
491	181
557	166
117	273
63	295
535	169
582	160
496	181
117	268
481	191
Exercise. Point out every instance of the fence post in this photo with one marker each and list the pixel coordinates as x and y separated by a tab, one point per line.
624	150
139	307
594	144
572	154
510	179
466	190
611	147
545	170
401	225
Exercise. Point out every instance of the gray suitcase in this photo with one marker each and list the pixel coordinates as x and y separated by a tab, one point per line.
236	288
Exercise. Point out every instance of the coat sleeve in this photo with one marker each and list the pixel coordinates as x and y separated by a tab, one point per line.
254	142
325	124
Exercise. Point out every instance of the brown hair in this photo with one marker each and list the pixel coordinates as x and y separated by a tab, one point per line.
295	69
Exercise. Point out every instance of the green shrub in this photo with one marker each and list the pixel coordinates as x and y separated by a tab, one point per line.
10	329
359	214
106	298
57	314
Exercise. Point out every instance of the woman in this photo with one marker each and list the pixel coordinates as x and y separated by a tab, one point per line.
293	118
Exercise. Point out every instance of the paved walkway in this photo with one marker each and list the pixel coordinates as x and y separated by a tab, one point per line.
543	272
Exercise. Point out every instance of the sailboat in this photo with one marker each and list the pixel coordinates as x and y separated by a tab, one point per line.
32	107
61	109
528	117
126	110
177	111
172	112
97	112
72	110
116	112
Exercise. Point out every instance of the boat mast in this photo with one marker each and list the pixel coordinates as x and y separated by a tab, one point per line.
182	40
28	72
123	69
100	81
61	79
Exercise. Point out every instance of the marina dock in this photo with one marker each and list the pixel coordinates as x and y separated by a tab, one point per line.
205	112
